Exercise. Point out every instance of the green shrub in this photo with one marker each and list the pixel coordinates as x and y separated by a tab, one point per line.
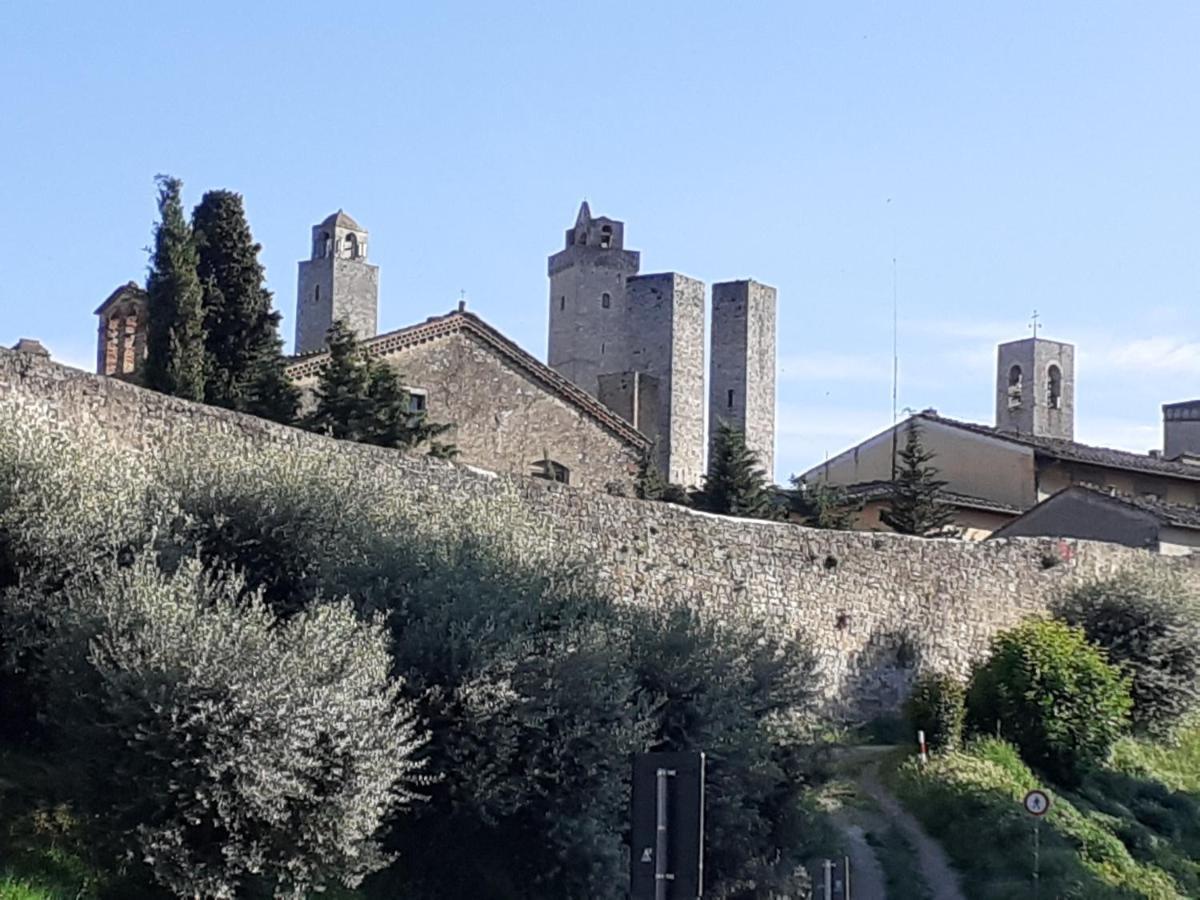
1151	629
937	707
228	750
1051	693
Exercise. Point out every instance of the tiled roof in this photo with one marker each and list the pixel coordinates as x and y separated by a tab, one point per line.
866	491
130	289
1167	513
1056	448
438	327
340	219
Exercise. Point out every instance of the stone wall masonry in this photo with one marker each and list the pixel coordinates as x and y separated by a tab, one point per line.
877	608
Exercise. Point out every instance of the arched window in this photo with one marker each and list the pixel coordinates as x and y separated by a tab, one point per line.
1054	387
605	237
1014	387
324	242
350	246
606	300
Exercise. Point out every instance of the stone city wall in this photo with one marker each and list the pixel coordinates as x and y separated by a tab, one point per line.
877	607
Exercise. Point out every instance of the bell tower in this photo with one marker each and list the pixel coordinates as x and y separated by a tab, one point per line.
336	283
1035	388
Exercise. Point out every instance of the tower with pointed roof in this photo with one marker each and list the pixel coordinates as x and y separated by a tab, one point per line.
336	282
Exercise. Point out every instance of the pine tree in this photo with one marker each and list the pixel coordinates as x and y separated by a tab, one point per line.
915	508
823	505
650	483
245	369
735	485
363	399
343	405
175	327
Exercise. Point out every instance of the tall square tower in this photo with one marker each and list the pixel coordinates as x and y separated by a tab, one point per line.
1035	388
741	378
336	283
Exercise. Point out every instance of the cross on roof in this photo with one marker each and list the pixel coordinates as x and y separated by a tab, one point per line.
1034	324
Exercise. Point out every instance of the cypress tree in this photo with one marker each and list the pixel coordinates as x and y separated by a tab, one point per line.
735	484
915	508
651	485
175	326
242	344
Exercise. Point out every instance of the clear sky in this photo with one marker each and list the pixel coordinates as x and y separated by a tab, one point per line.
1009	156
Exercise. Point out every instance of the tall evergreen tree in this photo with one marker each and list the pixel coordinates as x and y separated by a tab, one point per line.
823	505
735	484
363	399
914	507
175	327
242	344
650	483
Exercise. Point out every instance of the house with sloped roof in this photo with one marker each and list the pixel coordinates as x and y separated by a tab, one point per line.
994	473
1088	513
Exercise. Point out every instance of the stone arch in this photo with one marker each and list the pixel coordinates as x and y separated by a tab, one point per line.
1054	386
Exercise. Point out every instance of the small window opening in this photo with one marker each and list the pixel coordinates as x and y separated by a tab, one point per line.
417	401
730	400
551	471
602	348
606	300
324	245
606	237
1014	387
350	245
562	303
317	294
1054	388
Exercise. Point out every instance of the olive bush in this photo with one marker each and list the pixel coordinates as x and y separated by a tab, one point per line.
937	707
234	753
1151	629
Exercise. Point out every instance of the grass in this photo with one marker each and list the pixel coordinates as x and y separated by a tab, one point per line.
1131	830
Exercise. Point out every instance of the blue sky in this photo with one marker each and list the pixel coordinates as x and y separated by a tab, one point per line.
1009	156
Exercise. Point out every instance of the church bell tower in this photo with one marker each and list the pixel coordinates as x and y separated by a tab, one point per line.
336	283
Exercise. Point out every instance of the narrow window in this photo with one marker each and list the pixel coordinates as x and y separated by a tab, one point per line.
317	294
605	237
605	300
601	348
562	303
1054	387
417	401
1014	387
731	400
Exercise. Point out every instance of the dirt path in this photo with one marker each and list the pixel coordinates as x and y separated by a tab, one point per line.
867	881
935	866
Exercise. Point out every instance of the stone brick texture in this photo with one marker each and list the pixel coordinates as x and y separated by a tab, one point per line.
877	608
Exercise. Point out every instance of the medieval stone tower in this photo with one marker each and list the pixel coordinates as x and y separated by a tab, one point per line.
636	343
741	377
1035	388
337	282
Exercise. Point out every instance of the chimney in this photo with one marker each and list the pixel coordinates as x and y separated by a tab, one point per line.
1181	429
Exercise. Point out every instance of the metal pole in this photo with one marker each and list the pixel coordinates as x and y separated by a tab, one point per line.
1036	857
846	871
660	836
828	879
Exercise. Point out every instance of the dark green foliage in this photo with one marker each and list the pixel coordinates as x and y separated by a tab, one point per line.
175	328
1152	631
231	752
241	330
1050	692
651	485
362	399
937	706
823	505
914	507
735	484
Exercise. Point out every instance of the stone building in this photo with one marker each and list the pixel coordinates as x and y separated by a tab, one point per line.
121	343
508	411
996	472
636	342
336	283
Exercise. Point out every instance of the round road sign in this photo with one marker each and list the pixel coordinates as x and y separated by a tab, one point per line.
1037	803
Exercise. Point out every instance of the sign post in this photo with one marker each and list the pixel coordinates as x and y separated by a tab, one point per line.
667	842
1037	804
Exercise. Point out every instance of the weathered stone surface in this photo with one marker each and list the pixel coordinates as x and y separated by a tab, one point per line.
877	607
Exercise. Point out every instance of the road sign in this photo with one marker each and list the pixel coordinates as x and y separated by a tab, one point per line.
667	850
1037	803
